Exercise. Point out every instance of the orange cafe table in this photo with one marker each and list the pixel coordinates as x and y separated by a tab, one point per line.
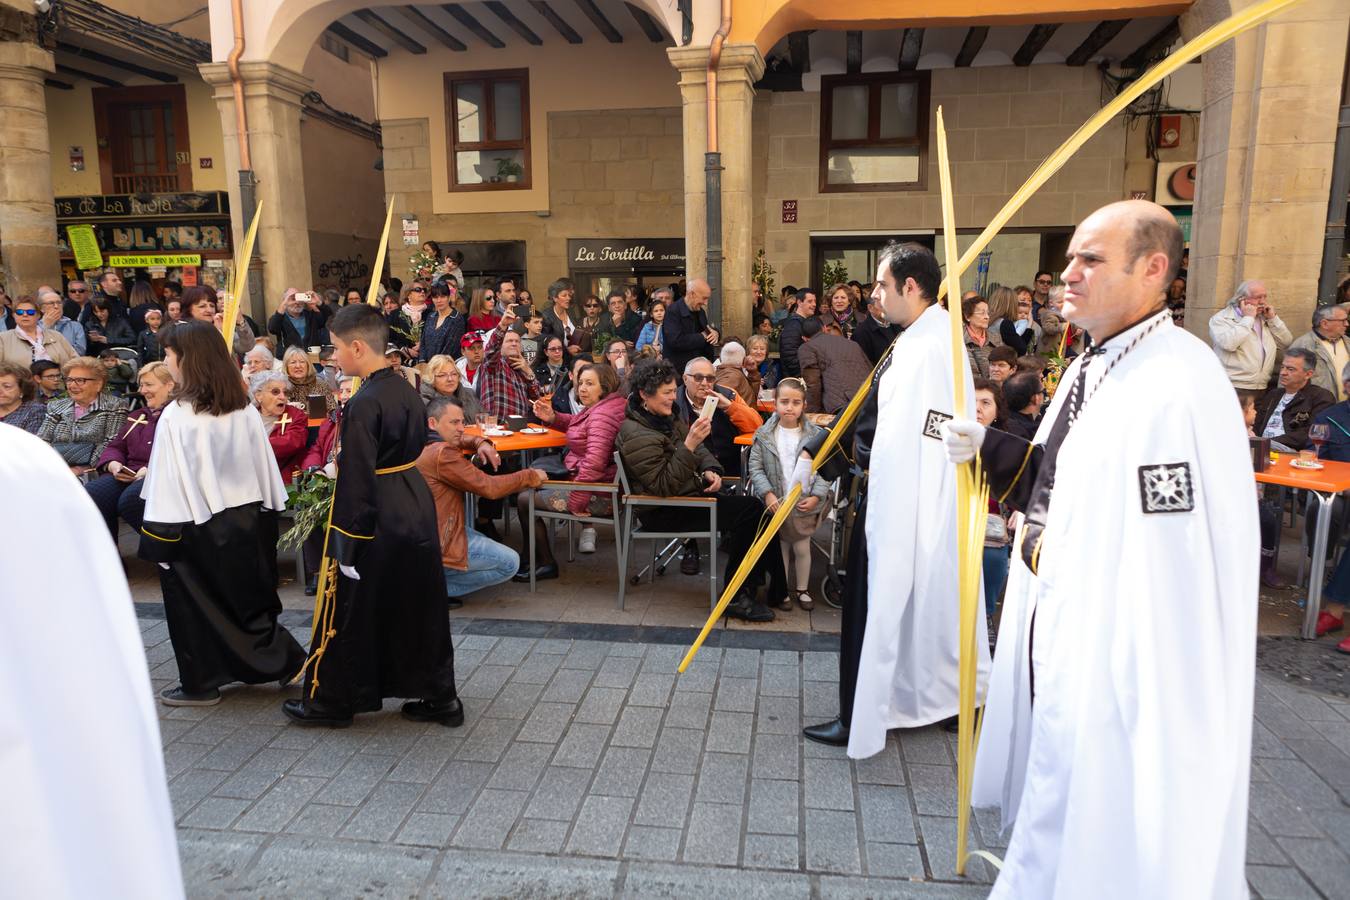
515	441
1324	483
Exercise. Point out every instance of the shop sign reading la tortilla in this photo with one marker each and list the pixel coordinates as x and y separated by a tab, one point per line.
637	254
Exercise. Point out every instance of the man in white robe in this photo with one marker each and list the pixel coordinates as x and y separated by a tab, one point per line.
908	673
1139	575
86	808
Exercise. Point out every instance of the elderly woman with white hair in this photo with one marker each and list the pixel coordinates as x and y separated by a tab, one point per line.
284	423
259	359
731	372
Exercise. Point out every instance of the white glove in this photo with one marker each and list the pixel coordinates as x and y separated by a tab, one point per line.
962	438
350	572
801	475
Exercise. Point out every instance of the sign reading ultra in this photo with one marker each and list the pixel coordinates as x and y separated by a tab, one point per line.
180	259
635	254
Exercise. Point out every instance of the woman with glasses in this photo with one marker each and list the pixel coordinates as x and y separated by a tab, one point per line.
483	311
551	368
589	327
303	382
443	379
285	422
29	342
81	424
444	326
413	301
211	501
19	405
617	358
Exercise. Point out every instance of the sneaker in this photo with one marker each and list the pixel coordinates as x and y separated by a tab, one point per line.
176	696
586	543
1344	646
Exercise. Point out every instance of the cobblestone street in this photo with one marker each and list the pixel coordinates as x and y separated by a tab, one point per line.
589	768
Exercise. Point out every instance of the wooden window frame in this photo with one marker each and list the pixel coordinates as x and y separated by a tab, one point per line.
874	82
488	77
174	94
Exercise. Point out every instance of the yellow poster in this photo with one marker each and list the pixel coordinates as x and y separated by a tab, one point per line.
162	259
85	246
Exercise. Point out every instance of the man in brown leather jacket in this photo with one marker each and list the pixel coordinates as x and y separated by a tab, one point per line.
471	560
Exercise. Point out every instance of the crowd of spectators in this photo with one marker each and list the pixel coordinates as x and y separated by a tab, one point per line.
630	373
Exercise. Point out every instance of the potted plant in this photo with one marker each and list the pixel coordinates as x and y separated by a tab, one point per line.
509	169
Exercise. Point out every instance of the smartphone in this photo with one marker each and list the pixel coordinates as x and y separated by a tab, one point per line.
709	407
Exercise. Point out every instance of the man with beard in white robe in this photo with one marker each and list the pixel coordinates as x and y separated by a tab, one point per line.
1139	568
908	674
86	808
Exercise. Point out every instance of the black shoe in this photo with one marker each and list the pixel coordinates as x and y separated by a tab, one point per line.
449	713
833	732
541	573
313	714
453	603
176	696
689	562
311	586
749	609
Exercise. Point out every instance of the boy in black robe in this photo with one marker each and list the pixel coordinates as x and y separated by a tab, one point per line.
381	628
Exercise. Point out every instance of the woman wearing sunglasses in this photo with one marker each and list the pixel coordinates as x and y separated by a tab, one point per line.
29	342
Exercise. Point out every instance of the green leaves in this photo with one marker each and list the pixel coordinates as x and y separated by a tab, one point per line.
308	498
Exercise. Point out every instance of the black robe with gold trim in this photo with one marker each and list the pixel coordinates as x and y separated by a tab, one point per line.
388	634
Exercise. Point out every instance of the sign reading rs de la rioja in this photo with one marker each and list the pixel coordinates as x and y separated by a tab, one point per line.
101	207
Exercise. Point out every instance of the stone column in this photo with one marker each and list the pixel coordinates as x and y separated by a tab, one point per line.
1267	145
740	67
272	99
27	213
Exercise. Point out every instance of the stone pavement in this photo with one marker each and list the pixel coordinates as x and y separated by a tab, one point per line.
588	768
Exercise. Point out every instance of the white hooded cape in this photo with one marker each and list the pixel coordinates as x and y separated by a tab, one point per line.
908	670
86	808
1138	752
202	465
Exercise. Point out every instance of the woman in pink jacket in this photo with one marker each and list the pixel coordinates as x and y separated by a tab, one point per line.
589	457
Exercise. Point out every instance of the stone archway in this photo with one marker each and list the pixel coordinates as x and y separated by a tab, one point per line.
283	30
